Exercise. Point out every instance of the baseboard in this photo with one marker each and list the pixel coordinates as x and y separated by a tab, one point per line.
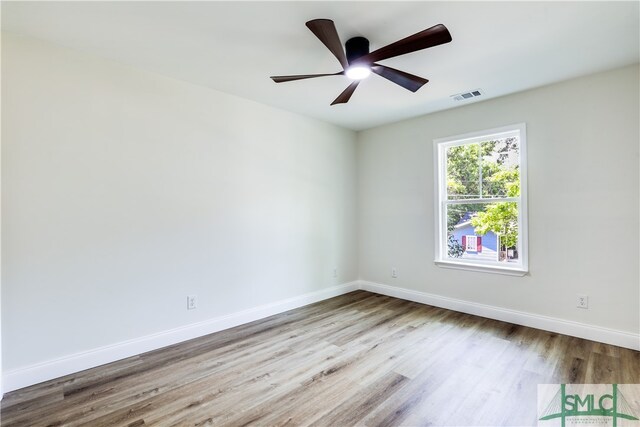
34	374
553	324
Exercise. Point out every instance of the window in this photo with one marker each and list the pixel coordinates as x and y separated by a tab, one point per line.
471	243
481	203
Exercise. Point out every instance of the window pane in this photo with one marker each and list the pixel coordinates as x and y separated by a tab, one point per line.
483	232
486	169
500	167
463	172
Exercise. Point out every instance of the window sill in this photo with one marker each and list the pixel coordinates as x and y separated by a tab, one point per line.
482	268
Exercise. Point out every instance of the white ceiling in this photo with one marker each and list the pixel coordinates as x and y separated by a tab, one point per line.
500	47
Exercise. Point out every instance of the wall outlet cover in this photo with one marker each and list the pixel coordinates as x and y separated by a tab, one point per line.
582	301
192	302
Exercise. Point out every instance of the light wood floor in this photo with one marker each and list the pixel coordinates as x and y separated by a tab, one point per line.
359	359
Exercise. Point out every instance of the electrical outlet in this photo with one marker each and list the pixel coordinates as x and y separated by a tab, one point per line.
192	302
394	272
583	301
335	272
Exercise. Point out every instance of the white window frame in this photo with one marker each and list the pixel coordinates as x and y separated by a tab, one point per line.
440	146
471	247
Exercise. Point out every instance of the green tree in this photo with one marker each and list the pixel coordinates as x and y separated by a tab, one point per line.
502	217
463	169
454	248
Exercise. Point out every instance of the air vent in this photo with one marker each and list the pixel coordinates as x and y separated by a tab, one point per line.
467	95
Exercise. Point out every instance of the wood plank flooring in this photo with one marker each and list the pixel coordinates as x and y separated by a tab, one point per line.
360	359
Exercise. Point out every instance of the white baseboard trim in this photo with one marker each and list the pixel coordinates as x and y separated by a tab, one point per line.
552	324
34	374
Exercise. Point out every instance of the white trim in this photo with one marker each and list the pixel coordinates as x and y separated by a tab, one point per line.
479	268
523	208
440	171
462	224
44	371
482	200
439	189
479	136
33	374
537	321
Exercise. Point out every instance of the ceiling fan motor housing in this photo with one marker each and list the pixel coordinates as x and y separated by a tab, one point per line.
356	47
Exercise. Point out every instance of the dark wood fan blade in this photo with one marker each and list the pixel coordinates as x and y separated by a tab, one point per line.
344	97
325	30
282	79
434	36
406	80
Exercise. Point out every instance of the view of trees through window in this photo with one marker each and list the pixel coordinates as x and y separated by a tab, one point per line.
483	190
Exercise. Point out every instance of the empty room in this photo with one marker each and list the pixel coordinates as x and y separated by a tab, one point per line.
330	214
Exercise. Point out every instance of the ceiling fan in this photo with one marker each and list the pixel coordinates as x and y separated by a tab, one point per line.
358	63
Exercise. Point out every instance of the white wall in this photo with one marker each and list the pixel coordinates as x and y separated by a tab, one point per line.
125	191
1	370
583	144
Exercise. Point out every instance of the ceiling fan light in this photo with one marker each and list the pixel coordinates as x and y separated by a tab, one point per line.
358	72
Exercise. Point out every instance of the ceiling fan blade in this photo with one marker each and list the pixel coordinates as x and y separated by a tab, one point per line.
344	97
434	36
325	30
282	79
406	80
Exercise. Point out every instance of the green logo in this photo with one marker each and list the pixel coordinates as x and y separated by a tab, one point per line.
564	405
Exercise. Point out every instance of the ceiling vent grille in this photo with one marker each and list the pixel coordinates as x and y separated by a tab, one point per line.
467	95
